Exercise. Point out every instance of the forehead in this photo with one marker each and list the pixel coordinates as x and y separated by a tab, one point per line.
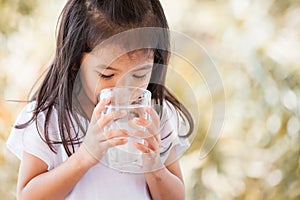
112	53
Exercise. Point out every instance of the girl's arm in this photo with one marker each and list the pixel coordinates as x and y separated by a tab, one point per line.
164	180
35	182
167	182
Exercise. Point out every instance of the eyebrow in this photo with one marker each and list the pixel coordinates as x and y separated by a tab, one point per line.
143	67
108	67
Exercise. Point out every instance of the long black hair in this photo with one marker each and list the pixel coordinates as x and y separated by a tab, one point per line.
83	24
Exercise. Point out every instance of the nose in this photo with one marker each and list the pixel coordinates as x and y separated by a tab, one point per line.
126	80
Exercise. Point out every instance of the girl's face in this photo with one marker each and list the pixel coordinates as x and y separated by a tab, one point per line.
102	69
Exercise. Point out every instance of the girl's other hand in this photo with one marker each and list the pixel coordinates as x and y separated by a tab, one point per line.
151	146
97	141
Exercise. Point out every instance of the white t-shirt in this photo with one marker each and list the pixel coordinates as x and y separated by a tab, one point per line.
100	182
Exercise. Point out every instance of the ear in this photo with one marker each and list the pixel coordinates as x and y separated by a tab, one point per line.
83	57
76	68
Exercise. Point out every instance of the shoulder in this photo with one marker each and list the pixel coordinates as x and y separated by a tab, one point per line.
170	115
165	110
30	122
171	122
27	114
28	135
171	127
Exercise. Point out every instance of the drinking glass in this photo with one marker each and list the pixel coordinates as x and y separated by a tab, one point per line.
131	101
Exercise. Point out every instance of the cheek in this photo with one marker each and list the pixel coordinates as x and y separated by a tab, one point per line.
89	83
144	83
147	80
102	84
149	77
97	92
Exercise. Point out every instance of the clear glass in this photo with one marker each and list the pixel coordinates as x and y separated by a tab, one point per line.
132	101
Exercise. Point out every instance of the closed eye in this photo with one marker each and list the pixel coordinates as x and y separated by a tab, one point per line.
139	76
106	76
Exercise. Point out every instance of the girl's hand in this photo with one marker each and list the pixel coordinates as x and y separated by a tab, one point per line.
151	146
97	141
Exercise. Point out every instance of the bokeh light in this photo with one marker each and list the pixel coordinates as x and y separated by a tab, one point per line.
255	46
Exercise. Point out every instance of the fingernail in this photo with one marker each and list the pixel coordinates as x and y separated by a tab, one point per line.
107	100
125	132
148	109
103	100
122	113
135	144
136	119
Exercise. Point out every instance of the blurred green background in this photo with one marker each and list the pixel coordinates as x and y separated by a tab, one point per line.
255	45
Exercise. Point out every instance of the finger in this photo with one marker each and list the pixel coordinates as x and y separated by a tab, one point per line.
115	134
141	134
114	142
98	109
152	144
154	141
151	128
142	122
105	119
153	115
141	147
147	124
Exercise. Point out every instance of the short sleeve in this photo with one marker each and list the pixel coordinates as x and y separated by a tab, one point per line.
28	139
171	127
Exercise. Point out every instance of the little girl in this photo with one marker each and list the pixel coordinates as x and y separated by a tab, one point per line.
60	135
